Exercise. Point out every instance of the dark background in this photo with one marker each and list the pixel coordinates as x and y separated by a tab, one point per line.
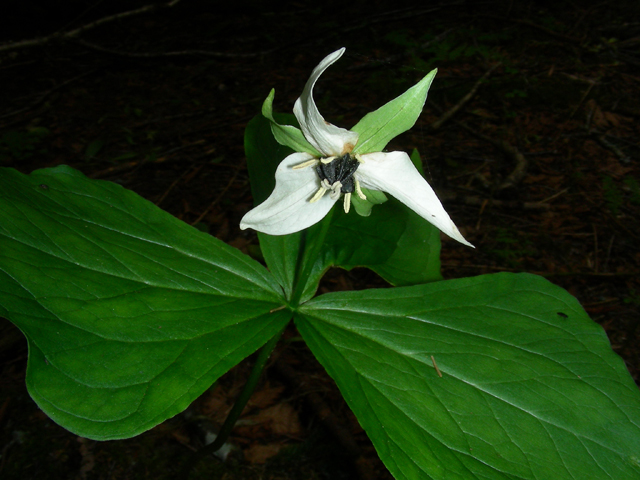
539	170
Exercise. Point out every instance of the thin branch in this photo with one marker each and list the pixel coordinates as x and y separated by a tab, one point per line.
217	199
601	139
375	63
204	53
464	100
394	16
592	83
521	163
192	171
45	95
89	26
520	169
560	36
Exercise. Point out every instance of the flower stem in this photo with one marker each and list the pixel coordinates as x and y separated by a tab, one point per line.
311	243
238	407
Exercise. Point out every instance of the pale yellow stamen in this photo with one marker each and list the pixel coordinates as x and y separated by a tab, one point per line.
318	195
324	186
308	163
358	158
359	191
347	202
327	160
335	190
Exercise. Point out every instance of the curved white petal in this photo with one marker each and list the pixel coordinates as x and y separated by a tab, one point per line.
395	173
327	138
288	210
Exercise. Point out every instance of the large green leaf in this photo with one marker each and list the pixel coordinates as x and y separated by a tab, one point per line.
129	313
393	241
530	388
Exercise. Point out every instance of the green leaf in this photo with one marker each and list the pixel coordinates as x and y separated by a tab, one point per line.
530	388
130	314
287	135
393	241
377	128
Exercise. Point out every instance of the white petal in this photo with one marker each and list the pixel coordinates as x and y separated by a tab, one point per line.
287	210
327	138
395	173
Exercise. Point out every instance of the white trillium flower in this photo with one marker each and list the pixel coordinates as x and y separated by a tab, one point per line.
308	185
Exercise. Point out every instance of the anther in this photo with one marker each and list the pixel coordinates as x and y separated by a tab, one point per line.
347	202
335	190
359	190
318	195
308	163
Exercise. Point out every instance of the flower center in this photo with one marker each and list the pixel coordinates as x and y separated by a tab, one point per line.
338	172
336	177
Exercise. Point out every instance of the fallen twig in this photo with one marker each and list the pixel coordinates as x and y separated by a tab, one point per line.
195	170
557	35
376	62
463	101
521	163
601	139
45	95
204	53
89	26
393	15
220	196
592	83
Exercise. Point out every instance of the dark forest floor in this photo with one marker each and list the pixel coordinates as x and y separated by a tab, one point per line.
158	102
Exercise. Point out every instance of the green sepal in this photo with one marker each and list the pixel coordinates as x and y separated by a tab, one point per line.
377	128
286	135
363	207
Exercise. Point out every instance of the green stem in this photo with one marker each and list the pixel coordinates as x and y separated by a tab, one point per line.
302	248
238	407
307	262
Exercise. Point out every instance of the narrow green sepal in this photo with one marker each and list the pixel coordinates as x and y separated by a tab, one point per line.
377	128
286	135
